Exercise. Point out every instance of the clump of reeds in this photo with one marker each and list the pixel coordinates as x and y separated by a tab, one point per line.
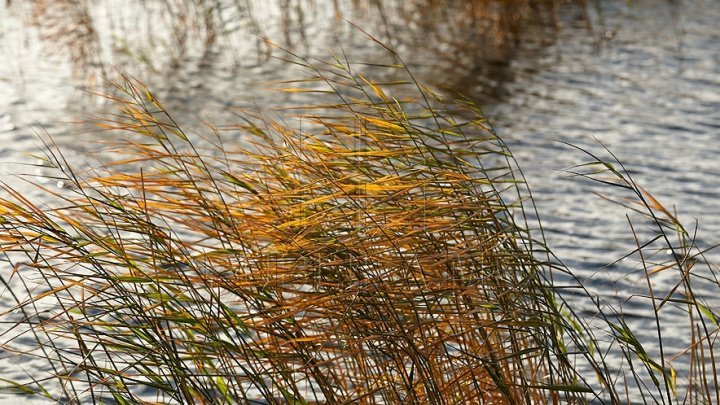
680	282
370	254
373	250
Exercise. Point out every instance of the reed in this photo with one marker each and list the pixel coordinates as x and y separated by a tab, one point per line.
168	38
681	283
372	256
368	248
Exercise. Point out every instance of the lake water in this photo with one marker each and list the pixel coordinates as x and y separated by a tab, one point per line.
642	79
647	86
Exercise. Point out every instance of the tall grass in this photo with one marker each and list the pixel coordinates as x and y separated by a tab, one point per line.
368	249
370	254
681	284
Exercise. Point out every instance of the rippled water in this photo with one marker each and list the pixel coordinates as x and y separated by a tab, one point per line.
642	79
646	84
651	94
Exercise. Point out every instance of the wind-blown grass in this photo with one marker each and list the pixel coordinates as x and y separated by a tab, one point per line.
378	250
665	248
371	257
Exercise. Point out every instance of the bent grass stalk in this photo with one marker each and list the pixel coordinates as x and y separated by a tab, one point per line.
693	291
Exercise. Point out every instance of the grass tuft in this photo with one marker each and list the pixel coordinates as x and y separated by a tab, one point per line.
369	249
372	256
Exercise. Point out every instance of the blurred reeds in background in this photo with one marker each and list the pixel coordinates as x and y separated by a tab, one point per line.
472	43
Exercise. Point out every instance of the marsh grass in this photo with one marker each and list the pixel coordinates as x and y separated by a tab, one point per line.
372	256
681	284
366	249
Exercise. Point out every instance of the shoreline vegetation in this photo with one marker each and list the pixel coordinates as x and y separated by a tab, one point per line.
377	246
380	254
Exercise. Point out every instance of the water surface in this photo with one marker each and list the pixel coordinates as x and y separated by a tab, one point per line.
642	79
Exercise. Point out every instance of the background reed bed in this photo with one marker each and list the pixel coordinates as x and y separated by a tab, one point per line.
473	42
